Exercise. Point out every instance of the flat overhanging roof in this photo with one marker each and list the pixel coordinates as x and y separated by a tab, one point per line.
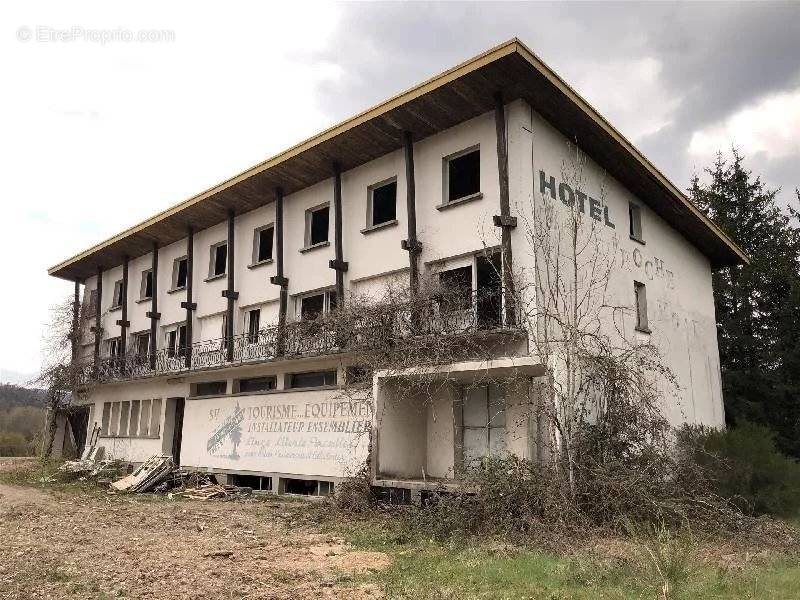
459	94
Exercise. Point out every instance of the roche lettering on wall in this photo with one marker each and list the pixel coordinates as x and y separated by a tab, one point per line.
564	192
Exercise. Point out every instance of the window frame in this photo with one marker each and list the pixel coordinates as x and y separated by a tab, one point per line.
325	373
371	224
256	261
138	337
147	274
446	162
212	262
117	295
635	222
309	216
172	340
326	303
176	272
640	306
252	336
141	420
114	347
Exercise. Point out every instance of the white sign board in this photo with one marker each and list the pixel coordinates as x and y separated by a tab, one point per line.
309	433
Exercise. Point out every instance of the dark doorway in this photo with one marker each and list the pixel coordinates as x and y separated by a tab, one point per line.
79	423
177	431
489	291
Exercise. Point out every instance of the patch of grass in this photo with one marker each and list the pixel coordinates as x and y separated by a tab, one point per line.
426	568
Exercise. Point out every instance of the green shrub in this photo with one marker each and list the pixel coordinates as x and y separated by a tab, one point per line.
750	471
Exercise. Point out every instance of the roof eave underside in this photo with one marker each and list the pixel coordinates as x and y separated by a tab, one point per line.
460	94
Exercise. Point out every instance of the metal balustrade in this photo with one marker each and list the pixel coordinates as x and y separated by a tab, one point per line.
323	336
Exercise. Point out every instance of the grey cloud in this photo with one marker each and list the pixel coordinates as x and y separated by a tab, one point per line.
717	57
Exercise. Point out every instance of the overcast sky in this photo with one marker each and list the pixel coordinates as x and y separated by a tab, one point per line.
99	131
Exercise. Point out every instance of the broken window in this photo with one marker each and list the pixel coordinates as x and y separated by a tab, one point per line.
262	244
144	418
640	296
382	203
306	487
253	325
456	289
106	419
463	175
211	388
219	260
311	379
143	344
180	273
317	222
635	217
91	309
146	290
115	347
133	431
484	424
311	307
116	298
176	341
258	384
155	417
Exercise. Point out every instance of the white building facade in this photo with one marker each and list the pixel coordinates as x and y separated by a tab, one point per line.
188	345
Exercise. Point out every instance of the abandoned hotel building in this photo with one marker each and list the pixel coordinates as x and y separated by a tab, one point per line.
188	337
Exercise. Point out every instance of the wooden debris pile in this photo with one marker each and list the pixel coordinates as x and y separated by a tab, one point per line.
212	490
149	474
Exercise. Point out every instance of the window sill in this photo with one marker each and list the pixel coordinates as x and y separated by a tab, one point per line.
214	277
115	308
176	290
260	263
142	300
459	201
638	240
645	330
314	247
383	225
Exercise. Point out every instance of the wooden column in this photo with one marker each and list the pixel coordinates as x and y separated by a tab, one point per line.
280	279
504	220
75	333
97	317
123	322
229	293
411	244
153	313
189	305
339	265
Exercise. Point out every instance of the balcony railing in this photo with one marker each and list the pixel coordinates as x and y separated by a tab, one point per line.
323	336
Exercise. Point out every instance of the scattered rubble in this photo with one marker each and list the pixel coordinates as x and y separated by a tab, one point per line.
149	474
213	490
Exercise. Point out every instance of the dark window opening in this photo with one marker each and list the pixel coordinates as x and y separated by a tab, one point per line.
118	293
92	309
220	259
176	341
253	325
115	347
311	307
456	289
464	175
392	495
258	384
143	345
182	271
490	291
312	379
318	225
147	285
307	487
635	217
384	203
265	237
254	482
640	295
211	388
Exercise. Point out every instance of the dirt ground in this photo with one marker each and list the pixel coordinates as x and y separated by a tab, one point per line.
93	545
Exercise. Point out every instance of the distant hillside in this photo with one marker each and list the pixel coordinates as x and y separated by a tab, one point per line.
21	419
16	395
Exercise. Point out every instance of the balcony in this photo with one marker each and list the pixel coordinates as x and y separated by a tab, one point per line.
329	334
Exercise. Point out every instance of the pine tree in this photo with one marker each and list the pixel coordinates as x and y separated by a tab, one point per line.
757	305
